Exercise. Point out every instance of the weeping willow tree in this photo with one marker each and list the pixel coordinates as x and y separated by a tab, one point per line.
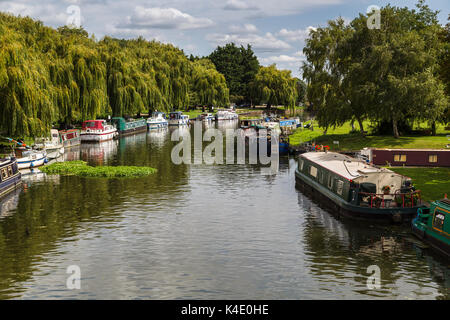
208	87
50	77
274	87
25	90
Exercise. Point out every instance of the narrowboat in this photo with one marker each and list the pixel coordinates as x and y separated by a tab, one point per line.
408	157
157	121
28	158
354	189
97	131
178	119
125	127
432	225
52	146
10	176
70	138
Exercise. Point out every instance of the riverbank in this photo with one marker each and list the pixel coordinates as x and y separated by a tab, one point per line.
355	141
434	183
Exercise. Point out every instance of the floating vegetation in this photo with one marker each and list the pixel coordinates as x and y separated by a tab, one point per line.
82	169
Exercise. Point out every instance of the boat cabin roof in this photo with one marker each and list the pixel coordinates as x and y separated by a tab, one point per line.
345	166
96	124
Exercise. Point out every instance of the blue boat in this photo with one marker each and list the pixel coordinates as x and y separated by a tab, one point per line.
10	176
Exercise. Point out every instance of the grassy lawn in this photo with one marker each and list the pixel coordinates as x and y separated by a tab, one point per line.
433	182
354	141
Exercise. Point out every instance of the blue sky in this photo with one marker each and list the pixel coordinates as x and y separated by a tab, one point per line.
275	29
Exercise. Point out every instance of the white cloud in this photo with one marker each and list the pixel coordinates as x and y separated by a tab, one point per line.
281	59
161	18
238	5
295	35
246	28
265	43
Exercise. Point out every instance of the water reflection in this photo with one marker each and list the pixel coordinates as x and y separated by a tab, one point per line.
99	153
196	231
339	253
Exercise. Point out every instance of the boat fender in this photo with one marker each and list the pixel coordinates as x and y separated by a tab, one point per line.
45	160
31	164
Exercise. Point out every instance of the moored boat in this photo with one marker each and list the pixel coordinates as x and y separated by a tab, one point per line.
432	225
52	146
157	121
125	127
178	119
226	115
10	176
97	131
352	188
29	158
70	138
207	117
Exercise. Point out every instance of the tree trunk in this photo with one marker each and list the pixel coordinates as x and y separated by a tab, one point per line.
361	126
395	128
433	128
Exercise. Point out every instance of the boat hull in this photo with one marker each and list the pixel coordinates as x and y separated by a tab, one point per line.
13	181
420	231
98	137
340	208
157	125
178	122
29	162
133	130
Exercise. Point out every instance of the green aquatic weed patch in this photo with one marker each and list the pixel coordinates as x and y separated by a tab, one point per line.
82	169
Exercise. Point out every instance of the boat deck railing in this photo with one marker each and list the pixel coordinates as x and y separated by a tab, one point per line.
391	200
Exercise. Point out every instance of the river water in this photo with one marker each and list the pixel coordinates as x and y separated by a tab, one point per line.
197	232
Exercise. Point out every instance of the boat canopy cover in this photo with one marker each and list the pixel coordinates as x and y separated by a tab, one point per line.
93	124
345	166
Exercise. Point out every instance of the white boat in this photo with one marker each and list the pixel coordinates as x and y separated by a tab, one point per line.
28	158
53	145
226	115
207	117
157	121
178	119
97	131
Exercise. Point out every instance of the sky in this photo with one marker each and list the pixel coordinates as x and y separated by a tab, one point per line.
276	29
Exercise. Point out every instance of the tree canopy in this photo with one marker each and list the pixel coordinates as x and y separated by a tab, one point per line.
389	74
274	87
50	76
239	65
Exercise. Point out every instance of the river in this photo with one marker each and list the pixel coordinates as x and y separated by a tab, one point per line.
197	232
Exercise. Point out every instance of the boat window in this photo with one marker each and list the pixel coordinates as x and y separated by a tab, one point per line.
301	165
400	158
339	187
438	221
4	173
432	158
10	170
313	172
330	182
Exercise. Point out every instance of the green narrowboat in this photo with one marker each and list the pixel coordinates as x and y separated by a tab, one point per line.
355	189
432	225
131	126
